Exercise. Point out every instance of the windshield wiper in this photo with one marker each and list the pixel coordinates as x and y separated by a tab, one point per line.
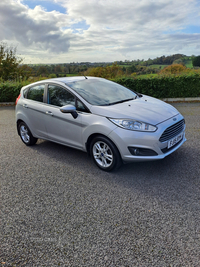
120	101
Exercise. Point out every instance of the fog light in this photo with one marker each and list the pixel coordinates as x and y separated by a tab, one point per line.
140	151
136	151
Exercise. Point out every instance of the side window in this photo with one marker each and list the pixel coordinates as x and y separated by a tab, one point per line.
81	107
58	96
36	93
25	92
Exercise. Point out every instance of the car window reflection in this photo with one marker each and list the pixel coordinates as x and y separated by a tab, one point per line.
101	92
59	96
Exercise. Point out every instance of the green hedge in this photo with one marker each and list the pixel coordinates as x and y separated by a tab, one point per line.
159	87
9	91
165	86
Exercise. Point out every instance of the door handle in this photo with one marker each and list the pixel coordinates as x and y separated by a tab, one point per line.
49	113
25	106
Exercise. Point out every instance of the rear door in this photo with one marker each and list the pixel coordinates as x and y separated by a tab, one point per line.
33	107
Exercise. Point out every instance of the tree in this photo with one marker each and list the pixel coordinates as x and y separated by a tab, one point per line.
24	72
196	61
9	62
58	69
42	70
131	69
174	69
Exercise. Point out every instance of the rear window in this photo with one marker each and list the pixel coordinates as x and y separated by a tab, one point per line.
36	93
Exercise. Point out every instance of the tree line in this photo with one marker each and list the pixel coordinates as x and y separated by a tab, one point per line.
11	67
163	60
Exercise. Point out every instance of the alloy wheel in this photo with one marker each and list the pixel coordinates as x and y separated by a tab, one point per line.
102	154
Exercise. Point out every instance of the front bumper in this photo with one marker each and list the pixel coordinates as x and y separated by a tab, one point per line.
124	139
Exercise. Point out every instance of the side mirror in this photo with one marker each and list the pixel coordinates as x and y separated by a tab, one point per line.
69	109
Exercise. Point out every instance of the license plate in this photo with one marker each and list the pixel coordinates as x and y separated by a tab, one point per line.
175	140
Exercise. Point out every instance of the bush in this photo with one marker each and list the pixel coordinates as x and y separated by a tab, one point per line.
109	72
52	75
9	91
156	86
174	69
196	61
166	86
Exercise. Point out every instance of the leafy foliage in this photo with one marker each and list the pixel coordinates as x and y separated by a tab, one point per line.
24	72
9	91
53	75
196	61
163	60
165	86
174	69
186	85
9	62
108	72
160	81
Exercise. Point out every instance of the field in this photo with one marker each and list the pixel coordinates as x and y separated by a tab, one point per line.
188	64
158	66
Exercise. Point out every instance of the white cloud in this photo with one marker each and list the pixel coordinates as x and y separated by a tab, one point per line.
101	30
33	28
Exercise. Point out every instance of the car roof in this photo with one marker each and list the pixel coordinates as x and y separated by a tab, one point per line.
64	80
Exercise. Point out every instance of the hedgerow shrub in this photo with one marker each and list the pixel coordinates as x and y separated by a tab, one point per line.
165	86
156	86
10	91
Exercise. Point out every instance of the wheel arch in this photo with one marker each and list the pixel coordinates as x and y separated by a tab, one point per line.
92	136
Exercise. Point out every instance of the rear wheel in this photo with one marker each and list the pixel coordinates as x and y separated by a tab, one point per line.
105	154
26	135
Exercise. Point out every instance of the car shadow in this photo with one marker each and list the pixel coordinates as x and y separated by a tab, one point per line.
173	179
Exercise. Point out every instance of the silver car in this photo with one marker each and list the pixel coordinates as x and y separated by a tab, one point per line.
110	122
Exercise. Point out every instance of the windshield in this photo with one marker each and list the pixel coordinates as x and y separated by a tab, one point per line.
102	92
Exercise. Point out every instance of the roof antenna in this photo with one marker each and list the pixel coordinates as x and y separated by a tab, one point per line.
85	77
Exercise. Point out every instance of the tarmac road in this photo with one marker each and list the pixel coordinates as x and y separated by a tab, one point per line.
58	209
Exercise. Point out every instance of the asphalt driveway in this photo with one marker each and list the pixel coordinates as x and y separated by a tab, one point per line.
58	209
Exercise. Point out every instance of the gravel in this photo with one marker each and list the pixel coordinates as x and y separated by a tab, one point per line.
59	209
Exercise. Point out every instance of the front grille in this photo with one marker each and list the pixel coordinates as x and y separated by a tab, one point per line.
172	131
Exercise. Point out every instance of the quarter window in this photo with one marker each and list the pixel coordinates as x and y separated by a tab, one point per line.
58	96
36	93
81	107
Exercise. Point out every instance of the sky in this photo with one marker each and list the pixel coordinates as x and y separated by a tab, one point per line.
63	31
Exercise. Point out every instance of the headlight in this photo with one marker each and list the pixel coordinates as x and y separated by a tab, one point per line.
134	125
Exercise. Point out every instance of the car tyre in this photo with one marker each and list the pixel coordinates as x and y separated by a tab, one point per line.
105	154
26	135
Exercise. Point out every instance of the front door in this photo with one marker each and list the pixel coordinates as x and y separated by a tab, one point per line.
62	127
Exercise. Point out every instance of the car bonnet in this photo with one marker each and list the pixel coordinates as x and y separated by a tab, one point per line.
146	109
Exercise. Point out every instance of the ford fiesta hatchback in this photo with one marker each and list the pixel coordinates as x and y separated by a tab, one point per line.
110	122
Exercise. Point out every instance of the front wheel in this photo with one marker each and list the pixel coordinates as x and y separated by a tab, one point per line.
105	154
26	134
